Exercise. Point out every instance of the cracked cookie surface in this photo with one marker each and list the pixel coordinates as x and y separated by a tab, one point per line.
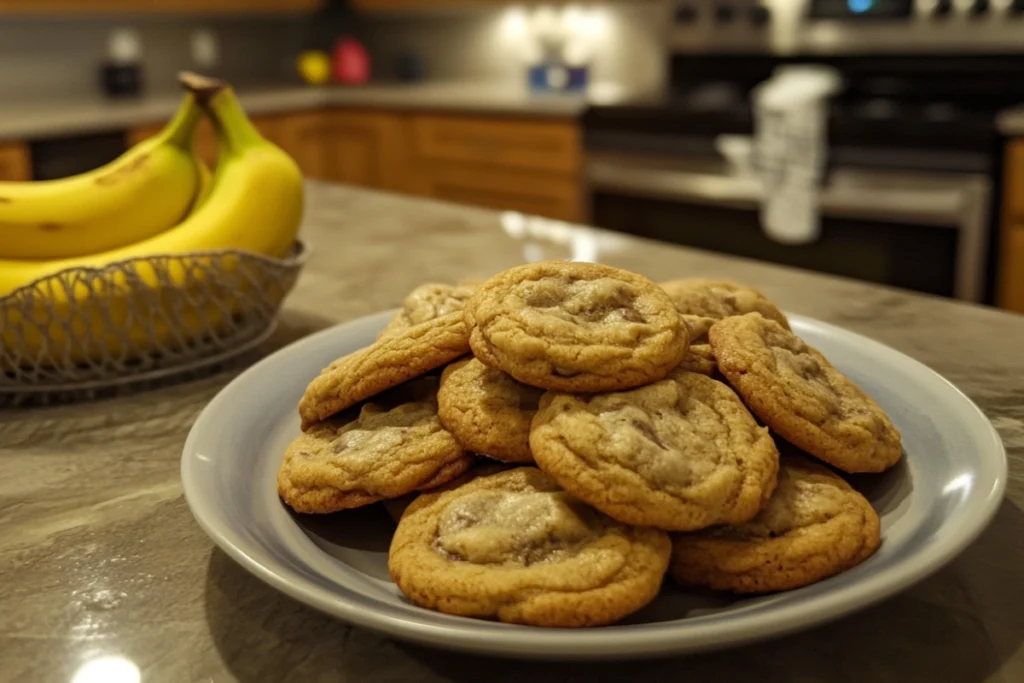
719	299
679	454
384	364
575	326
488	411
392	447
517	548
794	390
814	526
429	301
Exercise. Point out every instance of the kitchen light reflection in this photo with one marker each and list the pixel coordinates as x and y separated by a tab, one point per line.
108	669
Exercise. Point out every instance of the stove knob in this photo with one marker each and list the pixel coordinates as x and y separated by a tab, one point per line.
686	14
943	8
724	14
761	15
979	8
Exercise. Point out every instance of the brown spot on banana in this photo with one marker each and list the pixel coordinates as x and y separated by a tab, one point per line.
5	200
49	227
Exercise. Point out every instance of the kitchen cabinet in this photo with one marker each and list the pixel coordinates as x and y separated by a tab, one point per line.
1010	281
15	162
364	148
509	143
517	164
525	165
157	6
509	189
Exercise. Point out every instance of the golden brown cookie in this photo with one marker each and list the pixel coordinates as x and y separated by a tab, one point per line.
395	445
814	526
574	326
679	454
427	302
794	390
487	411
515	547
481	467
384	364
720	299
699	358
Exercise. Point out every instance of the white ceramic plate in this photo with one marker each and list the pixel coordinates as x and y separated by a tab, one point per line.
932	505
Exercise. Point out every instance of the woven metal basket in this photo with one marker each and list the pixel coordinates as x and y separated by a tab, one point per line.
139	320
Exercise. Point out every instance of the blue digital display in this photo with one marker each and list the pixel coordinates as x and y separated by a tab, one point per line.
860	6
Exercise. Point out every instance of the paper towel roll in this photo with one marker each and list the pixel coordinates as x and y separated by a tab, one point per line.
791	141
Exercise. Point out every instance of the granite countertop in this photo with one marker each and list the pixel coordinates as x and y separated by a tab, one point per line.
60	117
99	556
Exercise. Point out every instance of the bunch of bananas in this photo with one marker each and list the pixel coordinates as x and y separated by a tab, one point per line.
155	200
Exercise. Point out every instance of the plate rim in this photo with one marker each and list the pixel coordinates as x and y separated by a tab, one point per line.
614	641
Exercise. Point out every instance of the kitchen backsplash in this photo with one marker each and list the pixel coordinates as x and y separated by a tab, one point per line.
54	58
626	43
61	58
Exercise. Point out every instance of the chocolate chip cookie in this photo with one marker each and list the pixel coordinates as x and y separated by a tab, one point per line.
679	454
794	390
481	467
487	411
427	302
814	526
385	364
699	358
720	299
515	547
393	446
571	326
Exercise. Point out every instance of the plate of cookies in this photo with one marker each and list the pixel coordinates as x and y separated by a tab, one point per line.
568	460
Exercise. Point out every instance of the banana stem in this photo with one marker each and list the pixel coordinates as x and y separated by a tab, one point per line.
217	98
182	128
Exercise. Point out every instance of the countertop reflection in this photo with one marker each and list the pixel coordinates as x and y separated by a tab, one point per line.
106	578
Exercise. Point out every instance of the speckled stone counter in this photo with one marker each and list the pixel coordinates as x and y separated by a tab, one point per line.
100	558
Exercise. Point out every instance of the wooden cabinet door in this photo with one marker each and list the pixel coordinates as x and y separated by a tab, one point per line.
1011	268
15	162
363	148
543	145
1010	285
540	194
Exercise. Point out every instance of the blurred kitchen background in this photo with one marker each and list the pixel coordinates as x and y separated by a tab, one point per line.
875	139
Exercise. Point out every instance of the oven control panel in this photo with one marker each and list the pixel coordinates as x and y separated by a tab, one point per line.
848	26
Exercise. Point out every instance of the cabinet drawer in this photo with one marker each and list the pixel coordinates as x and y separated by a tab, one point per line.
553	196
1013	187
541	145
15	163
1011	268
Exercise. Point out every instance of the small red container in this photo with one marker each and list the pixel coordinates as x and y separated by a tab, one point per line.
351	61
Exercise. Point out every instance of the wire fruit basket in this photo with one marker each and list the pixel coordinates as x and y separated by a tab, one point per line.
141	319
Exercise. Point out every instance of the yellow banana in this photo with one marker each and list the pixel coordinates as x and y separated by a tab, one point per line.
255	204
143	192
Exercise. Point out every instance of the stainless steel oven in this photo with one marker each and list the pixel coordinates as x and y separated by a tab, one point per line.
913	152
912	229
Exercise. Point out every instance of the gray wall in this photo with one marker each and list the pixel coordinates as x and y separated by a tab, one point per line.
46	58
60	58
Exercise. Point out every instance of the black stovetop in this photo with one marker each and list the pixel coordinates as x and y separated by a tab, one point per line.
918	104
